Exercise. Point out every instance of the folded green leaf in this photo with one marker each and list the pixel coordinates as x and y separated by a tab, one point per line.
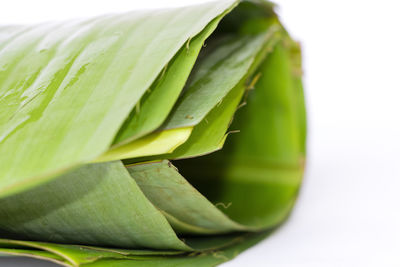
118	135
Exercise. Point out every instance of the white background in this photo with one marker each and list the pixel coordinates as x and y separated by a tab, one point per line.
348	212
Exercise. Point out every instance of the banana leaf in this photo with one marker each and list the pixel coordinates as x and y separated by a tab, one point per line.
150	138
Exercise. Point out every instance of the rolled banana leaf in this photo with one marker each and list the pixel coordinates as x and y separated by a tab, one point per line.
152	138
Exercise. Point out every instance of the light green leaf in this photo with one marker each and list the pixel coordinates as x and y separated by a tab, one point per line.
213	89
